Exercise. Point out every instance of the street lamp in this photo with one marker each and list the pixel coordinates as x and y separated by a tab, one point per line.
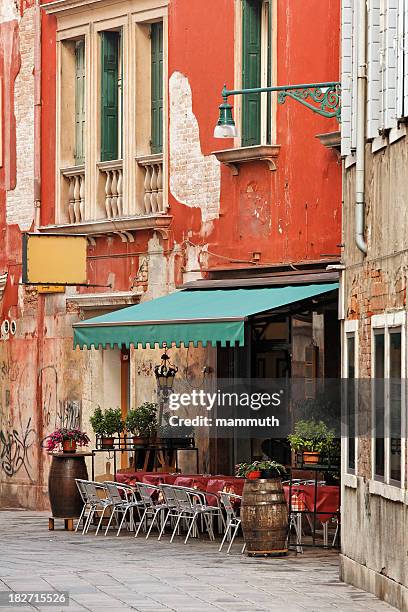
165	373
225	127
321	98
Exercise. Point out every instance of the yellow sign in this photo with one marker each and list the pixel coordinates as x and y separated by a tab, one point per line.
50	259
50	288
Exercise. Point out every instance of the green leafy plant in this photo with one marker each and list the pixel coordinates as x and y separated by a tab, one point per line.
113	421
142	421
312	436
97	421
106	423
243	469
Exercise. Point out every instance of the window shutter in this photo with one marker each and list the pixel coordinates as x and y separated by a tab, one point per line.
373	68
80	102
405	54
251	72
109	95
157	87
389	72
400	59
346	75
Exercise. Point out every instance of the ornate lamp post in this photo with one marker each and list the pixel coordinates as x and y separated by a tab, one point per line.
165	373
322	98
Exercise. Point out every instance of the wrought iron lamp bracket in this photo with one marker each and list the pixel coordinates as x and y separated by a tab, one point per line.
321	98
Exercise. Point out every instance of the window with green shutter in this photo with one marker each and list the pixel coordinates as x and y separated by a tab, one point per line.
79	102
110	45
251	71
157	87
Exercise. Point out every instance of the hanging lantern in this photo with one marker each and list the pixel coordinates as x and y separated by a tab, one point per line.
165	372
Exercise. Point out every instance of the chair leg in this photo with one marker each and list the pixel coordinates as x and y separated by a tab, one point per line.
100	520
89	520
156	514
141	522
175	528
110	519
123	520
243	549
164	524
326	534
80	518
232	538
193	520
225	536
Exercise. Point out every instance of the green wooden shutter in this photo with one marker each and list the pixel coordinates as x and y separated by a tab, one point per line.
251	71
80	102
109	95
157	87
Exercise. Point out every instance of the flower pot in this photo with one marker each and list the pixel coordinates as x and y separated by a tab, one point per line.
69	446
107	442
254	475
311	457
140	441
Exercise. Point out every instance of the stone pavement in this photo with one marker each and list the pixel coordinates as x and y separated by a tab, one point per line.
112	574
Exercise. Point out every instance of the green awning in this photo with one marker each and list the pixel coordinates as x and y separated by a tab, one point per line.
207	316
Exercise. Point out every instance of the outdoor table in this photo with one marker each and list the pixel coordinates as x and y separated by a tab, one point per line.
157	479
327	499
229	484
193	481
130	478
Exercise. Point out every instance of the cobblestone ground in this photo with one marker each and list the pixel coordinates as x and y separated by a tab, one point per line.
127	574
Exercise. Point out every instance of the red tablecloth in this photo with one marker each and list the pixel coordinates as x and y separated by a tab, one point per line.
194	481
328	499
157	479
223	483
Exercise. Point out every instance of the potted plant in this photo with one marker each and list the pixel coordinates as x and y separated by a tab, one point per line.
105	424
312	438
260	469
142	423
67	439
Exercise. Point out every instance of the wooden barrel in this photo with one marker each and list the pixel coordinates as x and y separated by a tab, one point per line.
264	516
64	496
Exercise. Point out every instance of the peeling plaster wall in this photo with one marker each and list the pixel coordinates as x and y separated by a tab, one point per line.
194	178
20	200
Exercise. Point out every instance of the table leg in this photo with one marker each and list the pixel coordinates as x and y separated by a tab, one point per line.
51	524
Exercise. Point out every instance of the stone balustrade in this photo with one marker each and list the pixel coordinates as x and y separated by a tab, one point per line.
113	180
75	202
153	201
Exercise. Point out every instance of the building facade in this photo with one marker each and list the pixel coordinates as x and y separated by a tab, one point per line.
124	103
374	150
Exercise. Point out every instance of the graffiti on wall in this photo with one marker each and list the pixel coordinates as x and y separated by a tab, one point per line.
69	414
57	412
14	449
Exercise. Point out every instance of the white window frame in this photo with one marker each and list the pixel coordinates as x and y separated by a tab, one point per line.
389	322
350	330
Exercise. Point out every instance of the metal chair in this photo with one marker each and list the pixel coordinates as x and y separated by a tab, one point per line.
86	504
233	520
151	507
122	498
192	504
94	501
171	503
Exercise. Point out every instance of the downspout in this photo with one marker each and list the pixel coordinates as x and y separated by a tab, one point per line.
37	115
361	119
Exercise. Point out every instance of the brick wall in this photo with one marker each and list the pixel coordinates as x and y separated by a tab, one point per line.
194	177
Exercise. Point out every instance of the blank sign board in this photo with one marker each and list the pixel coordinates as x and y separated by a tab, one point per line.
50	259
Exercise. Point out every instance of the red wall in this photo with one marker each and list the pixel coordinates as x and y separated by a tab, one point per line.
288	215
293	213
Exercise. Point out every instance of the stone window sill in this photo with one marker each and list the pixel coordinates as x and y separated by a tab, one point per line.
107	301
388	491
233	158
350	480
122	226
330	140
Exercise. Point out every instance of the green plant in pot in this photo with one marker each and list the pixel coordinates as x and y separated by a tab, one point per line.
260	469
106	424
312	438
141	422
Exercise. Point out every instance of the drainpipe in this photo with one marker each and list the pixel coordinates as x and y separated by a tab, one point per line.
361	118
37	115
